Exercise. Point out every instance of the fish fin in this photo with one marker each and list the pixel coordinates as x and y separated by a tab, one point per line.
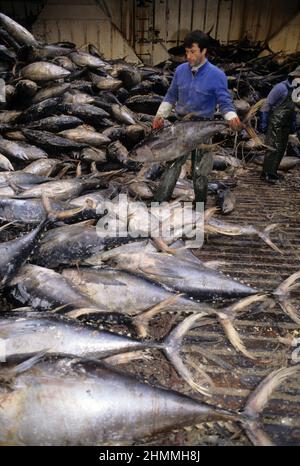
265	236
290	310
141	321
17	189
171	349
21	309
153	271
287	285
27	364
78	170
162	246
233	336
259	399
282	292
208	213
6	225
226	317
125	358
94	168
214	265
75	313
240	305
256	433
219	361
62	172
49	172
54	215
112	282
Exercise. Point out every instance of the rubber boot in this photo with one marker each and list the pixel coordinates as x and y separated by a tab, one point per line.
169	179
277	139
202	164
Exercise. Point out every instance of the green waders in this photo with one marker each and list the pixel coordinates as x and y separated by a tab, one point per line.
202	164
279	127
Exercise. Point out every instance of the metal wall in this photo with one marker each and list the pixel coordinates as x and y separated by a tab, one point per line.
83	22
153	26
161	24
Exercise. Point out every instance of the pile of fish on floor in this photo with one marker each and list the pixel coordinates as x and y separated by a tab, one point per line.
75	132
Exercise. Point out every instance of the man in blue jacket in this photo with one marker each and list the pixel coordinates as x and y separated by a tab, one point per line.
197	88
278	119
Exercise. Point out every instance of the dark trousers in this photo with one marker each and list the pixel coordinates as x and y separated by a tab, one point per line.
202	163
277	137
280	123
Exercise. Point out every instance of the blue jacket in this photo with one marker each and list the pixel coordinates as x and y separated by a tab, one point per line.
201	93
275	98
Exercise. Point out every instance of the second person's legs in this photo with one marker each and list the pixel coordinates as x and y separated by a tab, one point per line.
202	164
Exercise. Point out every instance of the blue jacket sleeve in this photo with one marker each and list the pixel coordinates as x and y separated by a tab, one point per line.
275	97
172	93
223	96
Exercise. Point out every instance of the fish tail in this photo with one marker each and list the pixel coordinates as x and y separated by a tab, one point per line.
226	317
257	402
281	293
171	348
265	236
209	213
141	321
52	215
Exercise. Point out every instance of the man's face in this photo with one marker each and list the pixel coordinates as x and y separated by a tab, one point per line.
194	55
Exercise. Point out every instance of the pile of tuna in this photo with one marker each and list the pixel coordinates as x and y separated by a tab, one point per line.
69	147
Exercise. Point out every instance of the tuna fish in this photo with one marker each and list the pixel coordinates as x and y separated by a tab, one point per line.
182	271
174	141
5	163
42	167
105	83
14	253
88	403
32	332
55	123
49	92
44	289
86	135
31	211
18	32
86	59
68	244
214	225
51	142
61	189
43	71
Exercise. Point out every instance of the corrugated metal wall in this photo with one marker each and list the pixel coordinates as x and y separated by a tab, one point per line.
161	24
153	26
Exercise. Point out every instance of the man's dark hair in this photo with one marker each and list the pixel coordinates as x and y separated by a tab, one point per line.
196	37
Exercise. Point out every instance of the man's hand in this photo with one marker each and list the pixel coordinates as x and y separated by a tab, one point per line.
158	122
236	124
